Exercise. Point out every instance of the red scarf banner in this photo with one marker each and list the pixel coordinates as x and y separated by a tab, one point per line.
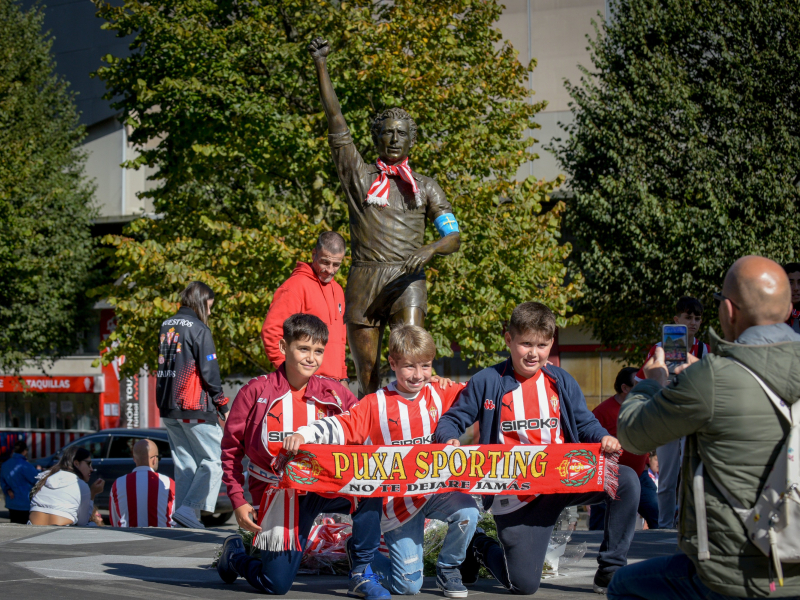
437	468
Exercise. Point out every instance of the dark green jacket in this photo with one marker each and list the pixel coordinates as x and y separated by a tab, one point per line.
729	423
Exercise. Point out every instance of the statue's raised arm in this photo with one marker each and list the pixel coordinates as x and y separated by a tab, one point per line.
319	50
389	206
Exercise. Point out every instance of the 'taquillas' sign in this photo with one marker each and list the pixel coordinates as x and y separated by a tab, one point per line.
66	384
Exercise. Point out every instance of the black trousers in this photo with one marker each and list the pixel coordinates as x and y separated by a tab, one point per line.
525	533
19	516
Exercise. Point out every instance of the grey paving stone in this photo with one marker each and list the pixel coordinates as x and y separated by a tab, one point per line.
76	564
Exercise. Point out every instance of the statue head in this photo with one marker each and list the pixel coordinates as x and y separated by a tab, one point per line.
393	133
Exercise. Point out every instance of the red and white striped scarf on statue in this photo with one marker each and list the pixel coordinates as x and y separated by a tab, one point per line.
378	193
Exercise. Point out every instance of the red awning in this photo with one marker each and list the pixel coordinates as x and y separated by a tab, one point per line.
57	384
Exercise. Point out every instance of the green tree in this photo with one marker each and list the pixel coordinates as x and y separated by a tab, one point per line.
684	155
46	247
223	97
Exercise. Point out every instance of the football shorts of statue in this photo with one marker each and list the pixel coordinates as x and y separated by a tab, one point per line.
376	291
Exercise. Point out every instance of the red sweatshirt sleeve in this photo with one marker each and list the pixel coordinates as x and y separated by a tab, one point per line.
286	301
233	444
344	352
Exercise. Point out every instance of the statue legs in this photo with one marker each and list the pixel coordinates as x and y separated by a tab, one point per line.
365	345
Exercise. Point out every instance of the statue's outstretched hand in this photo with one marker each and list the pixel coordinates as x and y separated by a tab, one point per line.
319	48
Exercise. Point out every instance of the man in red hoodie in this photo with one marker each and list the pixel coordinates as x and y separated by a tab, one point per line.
312	290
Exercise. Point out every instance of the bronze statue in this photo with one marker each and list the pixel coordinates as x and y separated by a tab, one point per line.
388	205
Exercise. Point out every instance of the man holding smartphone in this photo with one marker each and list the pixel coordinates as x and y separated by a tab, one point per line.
689	312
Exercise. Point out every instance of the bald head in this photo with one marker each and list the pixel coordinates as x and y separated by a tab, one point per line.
143	450
759	290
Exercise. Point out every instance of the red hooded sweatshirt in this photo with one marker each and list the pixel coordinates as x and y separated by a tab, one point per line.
303	292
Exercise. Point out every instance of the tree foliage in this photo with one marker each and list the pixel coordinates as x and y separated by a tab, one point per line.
223	97
46	247
684	155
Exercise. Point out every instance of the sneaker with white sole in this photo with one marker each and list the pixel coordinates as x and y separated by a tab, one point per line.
367	585
449	581
233	545
601	582
186	517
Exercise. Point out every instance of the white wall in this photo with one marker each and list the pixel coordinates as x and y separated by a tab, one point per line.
555	34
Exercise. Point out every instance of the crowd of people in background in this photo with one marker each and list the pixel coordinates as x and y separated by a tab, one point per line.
707	428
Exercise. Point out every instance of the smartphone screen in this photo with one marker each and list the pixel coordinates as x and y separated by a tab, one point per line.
675	341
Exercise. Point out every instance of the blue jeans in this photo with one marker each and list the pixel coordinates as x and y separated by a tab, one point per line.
648	506
196	454
525	534
274	572
402	571
665	578
669	468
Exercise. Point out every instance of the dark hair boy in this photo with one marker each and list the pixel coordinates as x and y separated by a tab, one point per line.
793	273
267	410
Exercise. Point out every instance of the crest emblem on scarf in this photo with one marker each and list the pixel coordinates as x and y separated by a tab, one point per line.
577	468
554	402
304	468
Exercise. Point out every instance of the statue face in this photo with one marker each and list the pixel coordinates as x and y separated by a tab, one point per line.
393	142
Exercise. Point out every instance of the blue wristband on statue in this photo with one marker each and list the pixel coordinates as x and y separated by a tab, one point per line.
446	224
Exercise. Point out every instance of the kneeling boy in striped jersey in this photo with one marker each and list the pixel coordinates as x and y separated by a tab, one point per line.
267	410
406	412
526	400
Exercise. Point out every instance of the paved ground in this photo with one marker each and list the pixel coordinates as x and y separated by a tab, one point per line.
97	563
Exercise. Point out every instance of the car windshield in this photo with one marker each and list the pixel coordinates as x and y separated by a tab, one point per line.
97	445
122	446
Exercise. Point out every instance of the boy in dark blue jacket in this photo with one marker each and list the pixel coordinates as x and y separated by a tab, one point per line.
525	400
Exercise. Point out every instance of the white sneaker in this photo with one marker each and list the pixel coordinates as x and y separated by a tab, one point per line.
186	517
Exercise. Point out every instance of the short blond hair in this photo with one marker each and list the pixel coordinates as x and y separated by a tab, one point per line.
411	341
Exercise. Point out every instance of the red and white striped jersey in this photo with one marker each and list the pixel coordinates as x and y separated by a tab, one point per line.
387	418
640	376
142	498
529	414
286	414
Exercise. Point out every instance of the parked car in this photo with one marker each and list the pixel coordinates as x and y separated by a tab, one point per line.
112	457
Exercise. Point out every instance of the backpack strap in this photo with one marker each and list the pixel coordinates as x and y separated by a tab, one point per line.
790	414
698	489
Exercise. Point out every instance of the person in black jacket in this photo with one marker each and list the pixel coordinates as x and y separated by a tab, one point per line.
192	404
526	400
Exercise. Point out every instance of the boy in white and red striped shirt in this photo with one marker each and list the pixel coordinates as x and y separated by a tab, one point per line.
406	412
143	498
525	400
